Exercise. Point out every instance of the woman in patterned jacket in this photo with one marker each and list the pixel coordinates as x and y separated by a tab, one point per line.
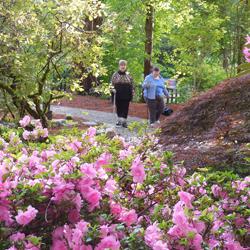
123	88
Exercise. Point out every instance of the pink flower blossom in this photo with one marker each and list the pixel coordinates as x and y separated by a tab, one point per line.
26	135
115	208
25	121
93	197
79	232
17	236
12	248
138	171
196	242
110	186
104	230
216	225
74	216
109	242
234	245
152	235
186	198
248	39
29	246
91	132
24	218
246	52
123	154
59	245
103	160
160	245
62	190
76	146
213	244
216	190
199	226
128	217
89	170
44	133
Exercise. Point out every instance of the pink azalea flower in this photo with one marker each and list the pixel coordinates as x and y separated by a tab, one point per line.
12	248
160	245
26	135
138	171
110	186
233	245
93	197
30	246
152	235
44	133
175	232
17	236
78	202
89	170
199	226
74	216
115	208
76	146
59	245
61	190
104	231
213	244
109	242
25	121
216	190
103	160
91	132
246	51
24	218
5	214
216	225
58	233
129	217
196	242
123	154
186	198
79	232
248	40
239	221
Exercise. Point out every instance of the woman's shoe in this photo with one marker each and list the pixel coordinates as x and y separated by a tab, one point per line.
124	124
118	124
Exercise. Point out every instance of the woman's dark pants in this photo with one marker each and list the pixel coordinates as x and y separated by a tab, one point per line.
156	108
122	107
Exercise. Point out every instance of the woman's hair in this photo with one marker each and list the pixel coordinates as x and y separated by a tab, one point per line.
123	62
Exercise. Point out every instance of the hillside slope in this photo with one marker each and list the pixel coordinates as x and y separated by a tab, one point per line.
213	129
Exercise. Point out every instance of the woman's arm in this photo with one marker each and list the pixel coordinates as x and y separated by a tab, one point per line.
146	83
165	91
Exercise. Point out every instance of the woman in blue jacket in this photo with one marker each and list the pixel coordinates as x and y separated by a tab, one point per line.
154	91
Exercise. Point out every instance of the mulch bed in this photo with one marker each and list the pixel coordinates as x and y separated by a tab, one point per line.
213	128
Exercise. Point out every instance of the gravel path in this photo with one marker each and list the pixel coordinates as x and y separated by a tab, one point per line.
98	117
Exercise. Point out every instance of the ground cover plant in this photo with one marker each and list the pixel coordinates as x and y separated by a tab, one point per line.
83	191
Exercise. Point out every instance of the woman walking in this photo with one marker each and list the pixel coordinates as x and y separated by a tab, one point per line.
123	89
154	91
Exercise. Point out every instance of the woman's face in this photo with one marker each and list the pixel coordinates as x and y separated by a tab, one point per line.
156	73
122	67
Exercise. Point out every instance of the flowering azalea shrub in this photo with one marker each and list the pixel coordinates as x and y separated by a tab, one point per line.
84	191
246	50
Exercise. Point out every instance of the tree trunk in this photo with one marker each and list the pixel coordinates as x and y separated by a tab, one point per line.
149	26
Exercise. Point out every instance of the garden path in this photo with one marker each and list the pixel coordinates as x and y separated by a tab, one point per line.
98	117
